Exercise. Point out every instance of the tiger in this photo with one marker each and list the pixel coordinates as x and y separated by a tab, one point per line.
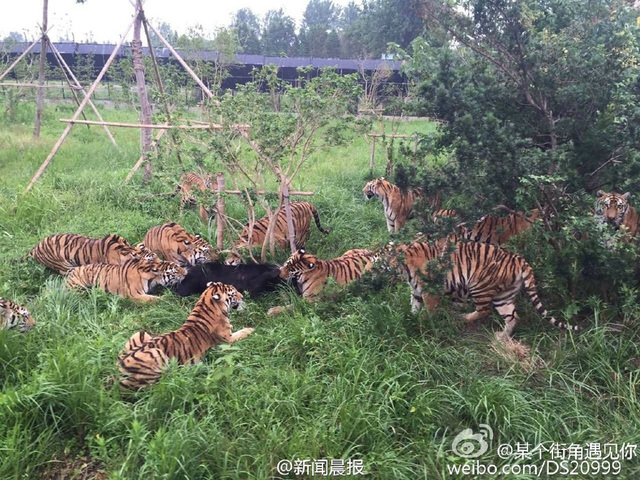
63	252
311	273
496	229
202	182
134	279
614	209
397	204
301	214
145	356
486	273
175	244
13	315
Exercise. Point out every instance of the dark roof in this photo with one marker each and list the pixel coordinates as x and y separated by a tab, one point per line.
70	48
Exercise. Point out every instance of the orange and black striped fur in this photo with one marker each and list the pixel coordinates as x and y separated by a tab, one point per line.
488	274
144	356
301	213
498	229
311	273
13	315
194	181
175	244
134	279
65	251
614	209
396	203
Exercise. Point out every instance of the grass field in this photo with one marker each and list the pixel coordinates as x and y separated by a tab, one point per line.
354	377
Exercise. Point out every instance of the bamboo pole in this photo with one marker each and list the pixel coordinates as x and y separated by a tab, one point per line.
41	71
289	215
162	126
32	85
141	159
17	60
163	94
183	63
77	114
78	86
220	184
373	153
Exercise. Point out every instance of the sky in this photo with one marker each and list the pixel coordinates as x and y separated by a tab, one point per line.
106	20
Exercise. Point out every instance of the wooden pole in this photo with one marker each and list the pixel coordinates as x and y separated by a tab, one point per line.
145	106
78	86
220	188
289	215
183	63
41	71
77	114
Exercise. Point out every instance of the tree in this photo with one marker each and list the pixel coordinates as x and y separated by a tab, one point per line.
517	88
278	35
284	132
247	28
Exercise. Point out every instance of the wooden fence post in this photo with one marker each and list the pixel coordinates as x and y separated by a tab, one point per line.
220	187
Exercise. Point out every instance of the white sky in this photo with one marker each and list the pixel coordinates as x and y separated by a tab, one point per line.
106	20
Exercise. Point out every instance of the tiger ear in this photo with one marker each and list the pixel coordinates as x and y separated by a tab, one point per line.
627	195
302	251
209	284
216	297
311	264
599	193
187	242
197	235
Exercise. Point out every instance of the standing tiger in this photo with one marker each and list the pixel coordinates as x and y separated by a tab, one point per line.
65	251
175	244
396	203
301	213
498	229
134	279
488	274
13	315
192	181
311	273
144	356
614	209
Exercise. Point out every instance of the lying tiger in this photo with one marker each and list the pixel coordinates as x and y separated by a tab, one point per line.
301	213
134	279
144	356
614	209
175	244
63	252
13	315
488	274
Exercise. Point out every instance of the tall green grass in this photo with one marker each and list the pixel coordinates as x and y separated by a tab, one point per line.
354	376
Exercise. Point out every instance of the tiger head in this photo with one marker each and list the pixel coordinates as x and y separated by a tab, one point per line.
375	187
218	292
611	207
161	272
203	251
297	264
143	253
15	316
